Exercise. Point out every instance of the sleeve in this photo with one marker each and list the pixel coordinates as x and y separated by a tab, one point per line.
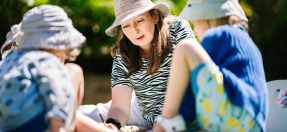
56	89
180	30
239	91
119	71
215	45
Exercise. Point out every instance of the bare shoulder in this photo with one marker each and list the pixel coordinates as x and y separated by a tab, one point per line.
74	67
188	41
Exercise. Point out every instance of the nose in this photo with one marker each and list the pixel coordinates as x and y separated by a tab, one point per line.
136	29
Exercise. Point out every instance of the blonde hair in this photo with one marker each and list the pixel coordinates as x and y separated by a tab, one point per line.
232	20
69	55
73	54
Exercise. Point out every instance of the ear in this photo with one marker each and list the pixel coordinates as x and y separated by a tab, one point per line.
156	15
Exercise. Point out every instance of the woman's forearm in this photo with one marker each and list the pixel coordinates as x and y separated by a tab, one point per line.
118	114
121	104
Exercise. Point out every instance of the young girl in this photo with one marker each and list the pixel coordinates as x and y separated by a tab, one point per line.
142	57
11	45
36	90
225	73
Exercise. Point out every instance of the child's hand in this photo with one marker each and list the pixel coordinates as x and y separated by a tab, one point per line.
56	125
57	129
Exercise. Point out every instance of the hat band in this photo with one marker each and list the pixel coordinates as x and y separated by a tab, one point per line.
130	11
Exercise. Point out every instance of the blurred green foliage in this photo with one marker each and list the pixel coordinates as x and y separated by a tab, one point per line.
267	21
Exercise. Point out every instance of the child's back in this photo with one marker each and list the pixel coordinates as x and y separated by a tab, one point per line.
33	82
240	62
36	90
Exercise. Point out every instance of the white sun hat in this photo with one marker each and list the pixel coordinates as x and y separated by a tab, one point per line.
211	9
49	27
11	35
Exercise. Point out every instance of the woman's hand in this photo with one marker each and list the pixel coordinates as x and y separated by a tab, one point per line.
129	129
86	124
109	125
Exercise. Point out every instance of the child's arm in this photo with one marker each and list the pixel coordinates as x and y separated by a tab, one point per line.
187	56
56	90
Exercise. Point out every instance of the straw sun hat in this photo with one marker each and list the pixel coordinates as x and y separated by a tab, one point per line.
128	9
211	9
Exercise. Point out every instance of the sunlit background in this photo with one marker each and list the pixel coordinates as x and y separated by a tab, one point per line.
267	22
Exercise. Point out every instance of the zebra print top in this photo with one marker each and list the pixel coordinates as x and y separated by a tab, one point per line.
151	89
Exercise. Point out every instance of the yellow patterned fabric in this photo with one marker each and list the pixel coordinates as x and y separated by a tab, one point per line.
214	111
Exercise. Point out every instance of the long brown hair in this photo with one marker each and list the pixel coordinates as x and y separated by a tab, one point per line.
161	46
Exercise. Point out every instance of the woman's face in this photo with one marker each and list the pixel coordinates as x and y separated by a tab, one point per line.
140	30
200	27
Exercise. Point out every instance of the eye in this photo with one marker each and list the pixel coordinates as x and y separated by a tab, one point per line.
140	21
126	26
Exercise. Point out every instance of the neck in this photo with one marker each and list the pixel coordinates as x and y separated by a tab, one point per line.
145	52
213	23
62	59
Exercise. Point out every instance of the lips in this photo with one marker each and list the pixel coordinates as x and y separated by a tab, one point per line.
139	38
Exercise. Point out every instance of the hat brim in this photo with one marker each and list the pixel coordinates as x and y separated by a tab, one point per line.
61	40
8	41
112	30
212	11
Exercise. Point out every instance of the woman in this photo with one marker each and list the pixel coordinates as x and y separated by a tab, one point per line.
142	56
225	72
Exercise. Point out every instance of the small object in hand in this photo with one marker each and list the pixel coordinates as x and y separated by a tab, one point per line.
129	129
103	120
281	98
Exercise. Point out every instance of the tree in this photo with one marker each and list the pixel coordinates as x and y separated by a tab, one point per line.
267	22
